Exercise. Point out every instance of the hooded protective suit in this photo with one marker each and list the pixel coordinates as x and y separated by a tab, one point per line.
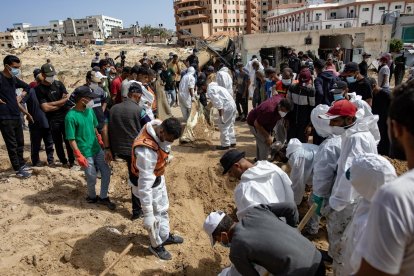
264	183
146	100
301	158
154	201
252	75
367	174
361	138
225	80
187	82
324	168
222	100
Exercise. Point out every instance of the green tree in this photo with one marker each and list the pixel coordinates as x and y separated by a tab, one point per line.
396	45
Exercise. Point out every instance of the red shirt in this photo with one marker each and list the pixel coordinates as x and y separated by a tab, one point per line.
266	113
33	84
116	86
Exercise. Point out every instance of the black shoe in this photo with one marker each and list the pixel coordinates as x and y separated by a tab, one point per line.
92	200
160	252
173	239
137	214
107	203
325	256
238	118
233	145
243	120
222	148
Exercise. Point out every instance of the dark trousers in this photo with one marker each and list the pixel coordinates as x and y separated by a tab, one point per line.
37	134
12	132
136	204
57	129
297	130
241	105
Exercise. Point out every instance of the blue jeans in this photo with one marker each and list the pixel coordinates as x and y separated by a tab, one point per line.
171	94
97	160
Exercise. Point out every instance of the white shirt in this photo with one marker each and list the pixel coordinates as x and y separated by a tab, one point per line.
187	82
384	72
388	240
264	183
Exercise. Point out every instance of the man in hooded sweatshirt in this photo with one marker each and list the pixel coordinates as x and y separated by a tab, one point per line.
357	133
186	92
260	183
324	83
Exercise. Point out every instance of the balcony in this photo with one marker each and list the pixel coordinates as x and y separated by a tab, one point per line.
253	4
193	17
190	8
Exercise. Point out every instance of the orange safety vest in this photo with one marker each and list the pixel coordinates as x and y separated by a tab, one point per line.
282	90
146	140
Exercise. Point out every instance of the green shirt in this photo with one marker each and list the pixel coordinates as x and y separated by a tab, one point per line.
80	126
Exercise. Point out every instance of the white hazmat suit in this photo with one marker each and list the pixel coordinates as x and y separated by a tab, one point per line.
153	200
265	183
222	100
367	174
146	100
187	82
301	158
225	80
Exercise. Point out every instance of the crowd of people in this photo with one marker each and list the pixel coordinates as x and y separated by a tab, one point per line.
330	124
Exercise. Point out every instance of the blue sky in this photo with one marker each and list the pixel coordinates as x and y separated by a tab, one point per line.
39	12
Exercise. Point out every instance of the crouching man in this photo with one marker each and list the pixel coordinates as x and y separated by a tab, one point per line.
262	239
150	152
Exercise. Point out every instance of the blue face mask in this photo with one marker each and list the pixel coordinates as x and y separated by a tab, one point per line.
14	71
351	79
338	97
107	70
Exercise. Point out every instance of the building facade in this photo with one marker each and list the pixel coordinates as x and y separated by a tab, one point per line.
108	23
13	39
133	31
83	30
203	18
341	14
52	33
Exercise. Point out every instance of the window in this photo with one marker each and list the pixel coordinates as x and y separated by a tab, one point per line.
215	11
365	9
397	7
215	20
333	14
381	8
328	26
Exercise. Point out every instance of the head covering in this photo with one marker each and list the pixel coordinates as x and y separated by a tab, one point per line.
338	87
368	172
210	69
321	126
230	158
351	67
211	223
95	77
340	108
85	91
293	145
36	72
305	75
48	70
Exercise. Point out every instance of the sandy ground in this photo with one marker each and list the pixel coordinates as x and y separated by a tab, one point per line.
47	228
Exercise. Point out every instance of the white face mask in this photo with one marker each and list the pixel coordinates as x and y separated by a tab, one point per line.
93	86
89	104
50	79
165	144
282	114
337	130
286	82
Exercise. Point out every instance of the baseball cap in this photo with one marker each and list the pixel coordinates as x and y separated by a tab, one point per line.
36	72
211	223
368	172
338	109
48	70
210	68
135	88
230	158
85	91
99	75
351	67
366	54
338	87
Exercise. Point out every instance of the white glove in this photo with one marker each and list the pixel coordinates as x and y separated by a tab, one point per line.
149	221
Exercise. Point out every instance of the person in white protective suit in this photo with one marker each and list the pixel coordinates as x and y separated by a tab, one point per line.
252	73
357	133
261	183
367	174
301	156
186	92
324	170
224	79
150	155
224	102
146	100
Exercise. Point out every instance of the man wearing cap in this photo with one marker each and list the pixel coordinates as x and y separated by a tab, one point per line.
243	82
260	183
224	103
357	139
387	243
261	238
363	66
52	96
39	127
302	96
123	128
339	91
357	82
263	119
87	143
150	154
